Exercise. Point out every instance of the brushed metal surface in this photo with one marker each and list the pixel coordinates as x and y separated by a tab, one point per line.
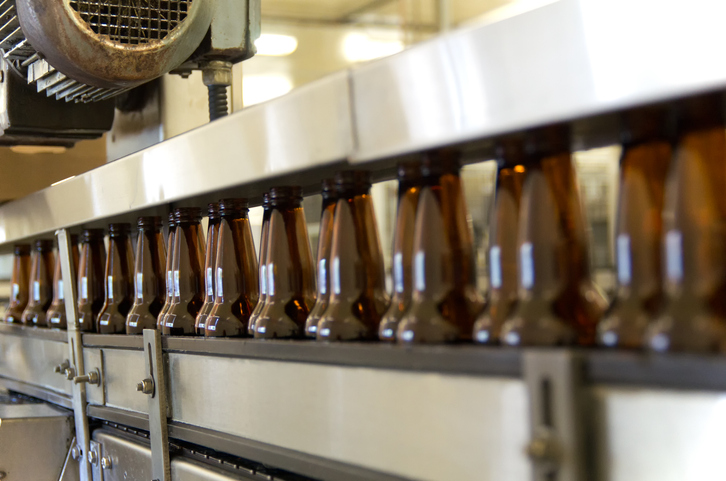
32	360
307	128
659	435
122	370
564	60
418	425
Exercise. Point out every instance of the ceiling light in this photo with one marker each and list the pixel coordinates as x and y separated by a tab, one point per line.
275	45
260	88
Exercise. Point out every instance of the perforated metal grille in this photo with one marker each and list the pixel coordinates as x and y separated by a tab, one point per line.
132	22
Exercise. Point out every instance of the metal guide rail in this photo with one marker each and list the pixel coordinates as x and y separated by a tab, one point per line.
464	88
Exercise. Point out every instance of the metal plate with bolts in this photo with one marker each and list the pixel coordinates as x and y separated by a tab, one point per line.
154	386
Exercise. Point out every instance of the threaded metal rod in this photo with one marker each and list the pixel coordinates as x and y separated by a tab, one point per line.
217	101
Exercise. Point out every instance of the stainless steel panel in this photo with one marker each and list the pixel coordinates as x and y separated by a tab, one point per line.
183	470
564	60
413	424
33	360
122	370
307	128
659	435
128	460
40	429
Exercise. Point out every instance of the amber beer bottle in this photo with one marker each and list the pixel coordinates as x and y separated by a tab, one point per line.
149	277
445	300
56	314
643	166
290	270
409	190
210	255
358	295
694	315
19	280
325	238
262	264
504	225
119	281
169	272
187	277
558	302
41	283
236	283
91	292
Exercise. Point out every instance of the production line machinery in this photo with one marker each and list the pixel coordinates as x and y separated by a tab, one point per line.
159	408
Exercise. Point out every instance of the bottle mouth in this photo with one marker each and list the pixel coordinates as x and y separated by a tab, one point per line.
266	200
352	182
327	189
172	219
436	163
213	210
43	245
700	112
150	222
89	235
282	195
233	207
187	215
119	230
510	151
550	140
21	249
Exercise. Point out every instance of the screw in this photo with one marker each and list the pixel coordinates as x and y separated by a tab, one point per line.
76	453
70	373
146	386
92	377
106	462
61	368
93	457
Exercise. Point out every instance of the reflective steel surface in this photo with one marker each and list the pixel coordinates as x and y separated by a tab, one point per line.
33	360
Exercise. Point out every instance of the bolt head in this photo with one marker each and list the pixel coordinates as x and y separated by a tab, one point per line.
217	72
75	453
92	457
106	462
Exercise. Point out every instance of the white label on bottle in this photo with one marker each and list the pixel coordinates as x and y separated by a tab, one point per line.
398	272
139	285
270	279
419	271
323	276
177	291
625	268
527	265
109	292
169	283
674	255
84	287
335	275
61	294
15	291
36	291
495	267
263	279
219	286
210	282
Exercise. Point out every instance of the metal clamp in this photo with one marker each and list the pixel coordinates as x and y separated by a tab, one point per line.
554	381
155	384
93	377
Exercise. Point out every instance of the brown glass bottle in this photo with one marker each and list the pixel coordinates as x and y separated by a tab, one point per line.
558	302
19	280
290	269
41	284
445	300
188	280
91	291
503	228
56	314
210	255
149	277
236	283
262	264
119	281
325	238
643	166
694	314
358	295
409	189
169	272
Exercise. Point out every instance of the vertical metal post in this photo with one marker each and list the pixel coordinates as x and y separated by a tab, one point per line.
155	386
557	449
75	347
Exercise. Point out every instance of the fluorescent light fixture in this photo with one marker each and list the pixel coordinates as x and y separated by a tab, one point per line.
275	45
37	149
359	47
260	88
61	181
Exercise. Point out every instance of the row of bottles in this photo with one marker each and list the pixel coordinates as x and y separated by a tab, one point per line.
671	268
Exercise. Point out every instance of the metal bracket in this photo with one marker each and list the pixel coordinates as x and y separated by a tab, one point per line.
75	355
155	382
94	458
557	447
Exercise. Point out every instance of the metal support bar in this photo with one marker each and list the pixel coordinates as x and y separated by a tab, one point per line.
554	379
75	352
156	382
